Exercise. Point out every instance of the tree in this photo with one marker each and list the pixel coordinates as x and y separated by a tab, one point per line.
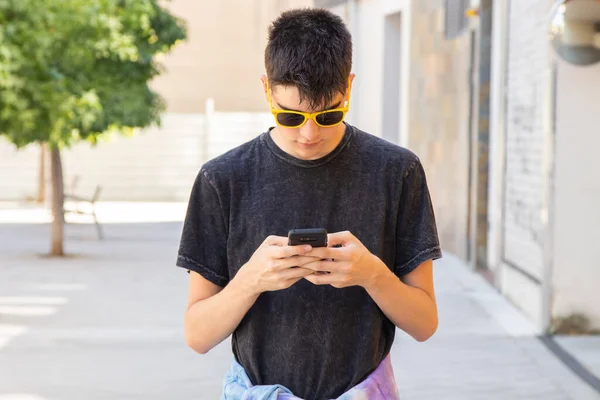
73	70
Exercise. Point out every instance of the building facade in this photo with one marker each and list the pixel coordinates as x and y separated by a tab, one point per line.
223	57
507	131
413	88
545	174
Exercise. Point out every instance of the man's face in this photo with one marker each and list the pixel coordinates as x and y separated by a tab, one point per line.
310	141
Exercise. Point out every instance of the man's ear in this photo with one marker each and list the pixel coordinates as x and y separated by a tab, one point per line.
263	79
351	80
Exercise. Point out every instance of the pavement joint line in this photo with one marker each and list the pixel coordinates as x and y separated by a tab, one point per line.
571	362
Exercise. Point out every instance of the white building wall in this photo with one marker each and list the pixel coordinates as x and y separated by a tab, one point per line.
19	171
432	95
223	55
158	164
520	231
544	228
366	21
576	254
497	137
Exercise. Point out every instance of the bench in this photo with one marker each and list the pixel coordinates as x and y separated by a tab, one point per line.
90	203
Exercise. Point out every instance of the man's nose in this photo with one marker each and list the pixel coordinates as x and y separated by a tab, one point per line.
310	131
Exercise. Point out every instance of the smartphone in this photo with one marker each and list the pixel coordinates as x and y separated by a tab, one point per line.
316	237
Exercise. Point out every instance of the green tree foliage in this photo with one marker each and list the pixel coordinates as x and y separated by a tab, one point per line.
73	70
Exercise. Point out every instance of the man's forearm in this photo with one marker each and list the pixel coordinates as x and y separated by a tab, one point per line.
210	321
409	308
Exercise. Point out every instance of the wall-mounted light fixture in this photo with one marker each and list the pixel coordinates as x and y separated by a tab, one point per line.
574	31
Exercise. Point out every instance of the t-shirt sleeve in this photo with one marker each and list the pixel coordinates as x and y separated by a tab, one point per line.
417	236
203	246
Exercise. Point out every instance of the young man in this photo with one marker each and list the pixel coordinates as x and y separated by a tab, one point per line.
315	323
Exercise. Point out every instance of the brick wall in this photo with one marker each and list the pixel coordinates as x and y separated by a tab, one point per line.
527	88
524	230
438	118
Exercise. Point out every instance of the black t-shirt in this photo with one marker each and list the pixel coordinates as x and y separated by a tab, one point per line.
318	341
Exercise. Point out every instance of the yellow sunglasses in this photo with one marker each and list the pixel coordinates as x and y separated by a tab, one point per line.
296	119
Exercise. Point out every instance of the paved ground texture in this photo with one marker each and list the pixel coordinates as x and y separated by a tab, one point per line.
106	323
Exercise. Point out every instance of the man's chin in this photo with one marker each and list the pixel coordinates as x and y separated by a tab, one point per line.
311	153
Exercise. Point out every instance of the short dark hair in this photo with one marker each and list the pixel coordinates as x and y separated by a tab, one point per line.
310	48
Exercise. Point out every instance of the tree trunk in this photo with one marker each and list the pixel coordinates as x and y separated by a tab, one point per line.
58	199
42	181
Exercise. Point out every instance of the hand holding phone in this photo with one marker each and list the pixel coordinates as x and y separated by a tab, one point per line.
272	266
316	237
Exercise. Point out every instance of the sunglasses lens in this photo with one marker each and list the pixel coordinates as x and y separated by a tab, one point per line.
290	119
330	118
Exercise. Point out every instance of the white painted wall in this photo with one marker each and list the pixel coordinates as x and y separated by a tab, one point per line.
216	61
577	191
158	164
366	21
524	230
392	76
497	137
19	171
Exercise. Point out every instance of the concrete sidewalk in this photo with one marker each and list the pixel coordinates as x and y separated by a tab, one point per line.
106	323
484	349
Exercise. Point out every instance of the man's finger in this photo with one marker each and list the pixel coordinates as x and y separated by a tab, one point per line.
276	241
292	273
340	238
323	279
328	252
289	251
297	261
316	279
324	266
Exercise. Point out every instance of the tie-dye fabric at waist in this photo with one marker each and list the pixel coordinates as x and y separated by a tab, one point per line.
379	385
